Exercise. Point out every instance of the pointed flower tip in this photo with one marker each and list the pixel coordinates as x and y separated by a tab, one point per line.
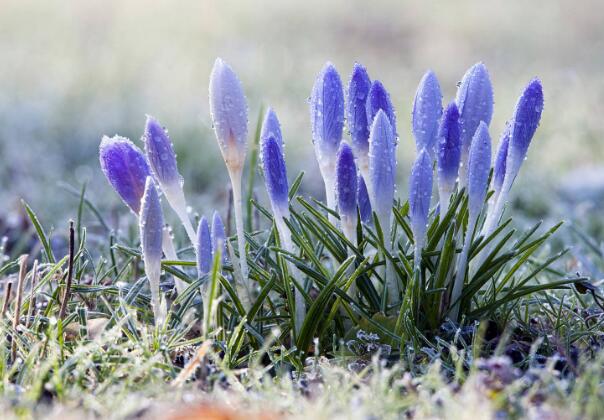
126	169
327	112
420	193
382	163
427	111
479	166
379	99
358	90
275	175
228	108
271	126
204	247
526	120
151	223
363	201
449	147
160	153
218	236
346	182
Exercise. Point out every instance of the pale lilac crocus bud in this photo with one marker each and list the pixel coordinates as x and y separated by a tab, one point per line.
218	237
420	194
475	103
478	177
126	169
363	200
151	224
327	121
378	99
162	160
204	248
427	110
346	191
448	155
356	115
273	165
228	107
499	168
382	168
271	127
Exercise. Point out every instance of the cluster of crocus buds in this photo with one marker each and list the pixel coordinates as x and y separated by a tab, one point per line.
359	175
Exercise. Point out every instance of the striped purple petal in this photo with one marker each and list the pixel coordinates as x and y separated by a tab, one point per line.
427	110
356	114
346	182
204	248
479	163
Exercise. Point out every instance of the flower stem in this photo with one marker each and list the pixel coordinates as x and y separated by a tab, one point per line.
237	206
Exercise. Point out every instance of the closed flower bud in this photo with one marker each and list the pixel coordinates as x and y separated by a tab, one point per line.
151	224
160	153
475	103
275	173
501	160
382	165
228	107
363	200
356	114
271	127
379	99
126	169
218	237
479	166
346	185
449	149
427	110
420	194
204	248
524	124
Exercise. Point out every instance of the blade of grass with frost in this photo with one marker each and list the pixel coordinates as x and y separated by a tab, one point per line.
228	107
448	156
327	121
382	172
277	187
162	160
479	166
527	116
151	225
356	116
363	201
475	104
346	193
127	170
426	114
420	195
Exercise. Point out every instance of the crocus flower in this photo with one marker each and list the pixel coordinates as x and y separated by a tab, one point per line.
379	98
151	224
126	169
475	103
275	173
218	237
363	200
382	167
420	194
448	156
356	114
478	177
229	115
427	110
271	127
500	161
327	121
204	248
162	160
346	191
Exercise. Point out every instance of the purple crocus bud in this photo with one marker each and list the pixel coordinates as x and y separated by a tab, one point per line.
449	150
379	98
160	152
427	110
524	124
356	114
420	193
271	126
382	166
275	173
151	224
501	160
218	236
363	200
204	248
479	166
475	103
126	169
229	114
346	186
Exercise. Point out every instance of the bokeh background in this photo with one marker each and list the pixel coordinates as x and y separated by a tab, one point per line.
71	71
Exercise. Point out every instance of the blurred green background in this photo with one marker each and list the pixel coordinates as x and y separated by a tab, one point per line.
72	71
